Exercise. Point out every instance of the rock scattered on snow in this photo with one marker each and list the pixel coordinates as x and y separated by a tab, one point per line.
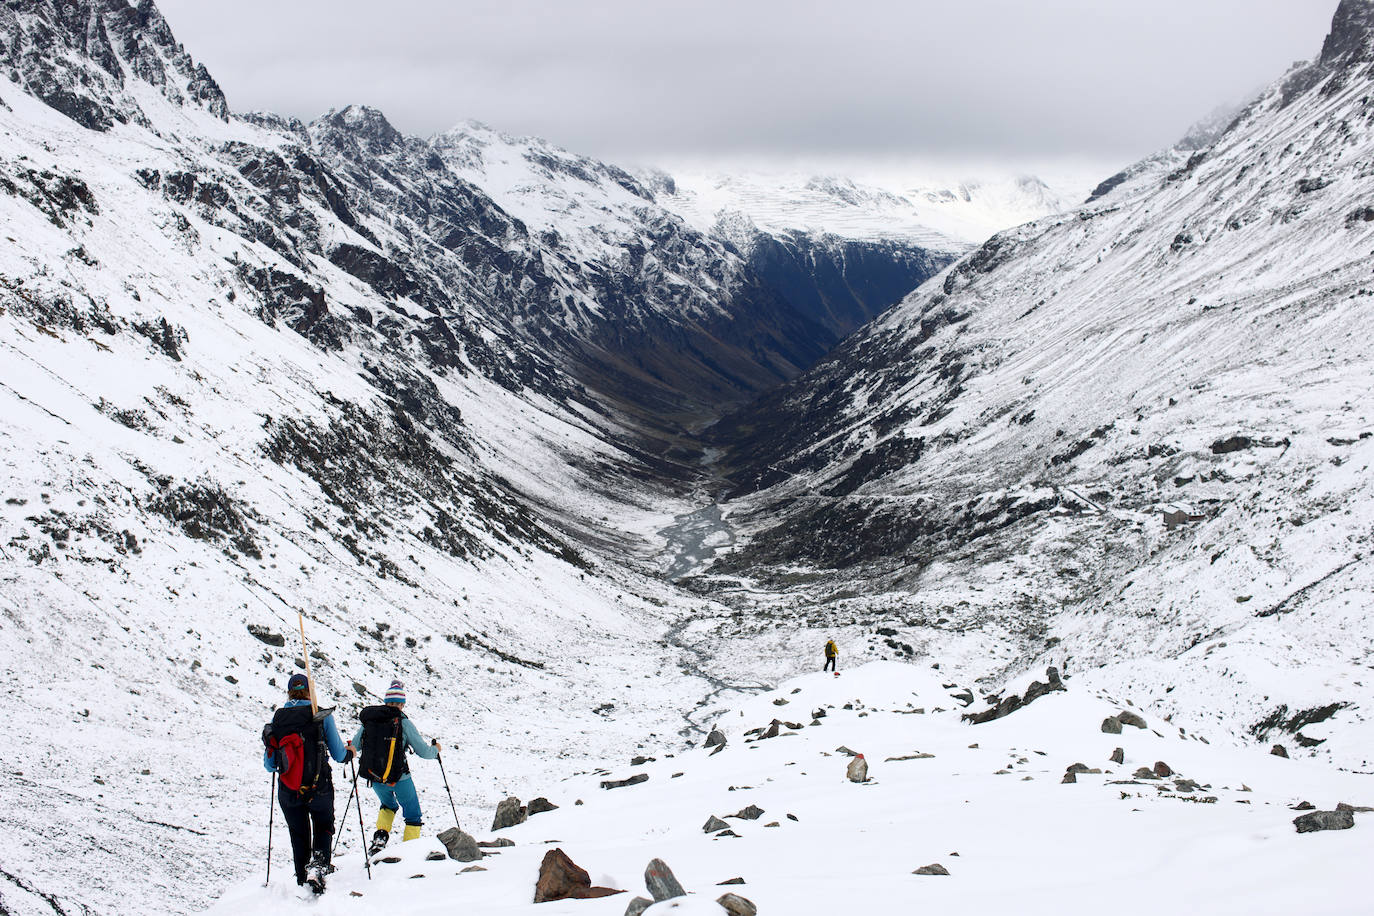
1354	809
858	769
750	813
461	846
1118	756
562	879
1324	820
1279	750
933	869
539	806
730	881
622	783
1111	725
736	905
638	906
660	881
1130	718
714	825
509	813
715	739
1162	769
498	843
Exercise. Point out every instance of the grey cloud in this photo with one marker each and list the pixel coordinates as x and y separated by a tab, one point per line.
636	79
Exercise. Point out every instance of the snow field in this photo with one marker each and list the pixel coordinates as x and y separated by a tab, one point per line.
1026	843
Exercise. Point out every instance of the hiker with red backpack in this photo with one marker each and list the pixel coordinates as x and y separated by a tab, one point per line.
296	742
383	740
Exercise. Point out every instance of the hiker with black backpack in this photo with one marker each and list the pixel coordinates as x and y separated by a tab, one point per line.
296	742
383	739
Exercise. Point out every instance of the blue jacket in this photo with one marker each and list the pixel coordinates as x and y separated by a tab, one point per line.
413	741
331	738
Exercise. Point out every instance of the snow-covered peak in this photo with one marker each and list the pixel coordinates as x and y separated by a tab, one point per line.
893	203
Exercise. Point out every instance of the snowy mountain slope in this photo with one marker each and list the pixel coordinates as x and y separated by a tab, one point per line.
181	465
991	460
236	387
987	802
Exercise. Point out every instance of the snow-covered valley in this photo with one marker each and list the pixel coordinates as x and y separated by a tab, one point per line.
455	404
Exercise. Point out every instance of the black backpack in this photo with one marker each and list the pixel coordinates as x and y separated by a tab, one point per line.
382	757
295	736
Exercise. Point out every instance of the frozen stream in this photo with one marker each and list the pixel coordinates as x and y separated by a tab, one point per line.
693	540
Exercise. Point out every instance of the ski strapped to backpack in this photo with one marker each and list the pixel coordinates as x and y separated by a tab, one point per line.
295	737
382	757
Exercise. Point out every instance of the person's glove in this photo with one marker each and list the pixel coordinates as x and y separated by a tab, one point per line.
348	754
434	742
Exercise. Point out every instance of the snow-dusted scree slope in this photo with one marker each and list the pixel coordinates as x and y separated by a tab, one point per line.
1133	440
1171	823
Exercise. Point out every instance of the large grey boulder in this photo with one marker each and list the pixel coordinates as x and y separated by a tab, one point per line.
714	825
509	813
715	739
461	846
659	879
1111	726
1324	820
858	769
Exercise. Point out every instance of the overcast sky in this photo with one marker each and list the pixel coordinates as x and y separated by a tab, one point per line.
662	80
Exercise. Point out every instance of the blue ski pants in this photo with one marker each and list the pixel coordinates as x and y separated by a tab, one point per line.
402	796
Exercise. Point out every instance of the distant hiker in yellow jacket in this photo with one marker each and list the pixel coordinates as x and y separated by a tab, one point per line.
832	654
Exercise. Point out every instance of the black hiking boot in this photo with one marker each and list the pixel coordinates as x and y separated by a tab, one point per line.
379	841
315	872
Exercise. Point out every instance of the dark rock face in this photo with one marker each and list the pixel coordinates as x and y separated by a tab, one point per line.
840	284
714	825
562	879
105	36
715	739
1324	820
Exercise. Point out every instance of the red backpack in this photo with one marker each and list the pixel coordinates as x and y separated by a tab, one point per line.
295	738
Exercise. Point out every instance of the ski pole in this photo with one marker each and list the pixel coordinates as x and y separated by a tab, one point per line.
343	820
362	835
271	819
451	805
